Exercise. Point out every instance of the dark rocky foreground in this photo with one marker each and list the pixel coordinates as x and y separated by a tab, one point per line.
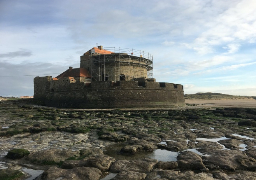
50	143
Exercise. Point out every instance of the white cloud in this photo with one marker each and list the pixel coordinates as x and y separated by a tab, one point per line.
189	86
232	48
236	23
236	66
168	43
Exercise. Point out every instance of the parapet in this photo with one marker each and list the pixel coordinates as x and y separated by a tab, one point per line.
135	85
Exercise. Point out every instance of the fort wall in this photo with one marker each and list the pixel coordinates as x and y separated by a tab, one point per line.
107	94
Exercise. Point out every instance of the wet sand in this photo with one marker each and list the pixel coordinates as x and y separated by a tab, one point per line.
241	103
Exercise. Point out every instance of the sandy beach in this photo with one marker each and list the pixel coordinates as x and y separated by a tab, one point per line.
241	103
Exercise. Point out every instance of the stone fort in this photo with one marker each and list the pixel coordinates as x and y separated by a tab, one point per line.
108	79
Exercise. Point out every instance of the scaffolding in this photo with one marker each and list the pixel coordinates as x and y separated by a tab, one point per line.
117	59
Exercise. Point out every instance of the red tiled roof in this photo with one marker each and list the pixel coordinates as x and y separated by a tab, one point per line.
76	72
103	51
99	51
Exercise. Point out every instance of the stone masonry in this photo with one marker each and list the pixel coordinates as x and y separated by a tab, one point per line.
107	80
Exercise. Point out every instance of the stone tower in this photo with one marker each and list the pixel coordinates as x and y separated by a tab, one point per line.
109	66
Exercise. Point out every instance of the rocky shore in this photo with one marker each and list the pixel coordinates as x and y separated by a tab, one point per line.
187	143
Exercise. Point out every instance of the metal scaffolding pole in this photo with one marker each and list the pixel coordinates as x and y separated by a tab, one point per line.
119	65
104	70
91	66
99	69
115	68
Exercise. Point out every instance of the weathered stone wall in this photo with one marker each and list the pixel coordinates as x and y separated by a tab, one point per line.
41	86
107	94
131	68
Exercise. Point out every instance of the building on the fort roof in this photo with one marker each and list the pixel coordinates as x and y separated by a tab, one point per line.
110	66
78	74
108	79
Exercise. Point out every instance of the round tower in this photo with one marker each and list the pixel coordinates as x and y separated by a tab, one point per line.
104	65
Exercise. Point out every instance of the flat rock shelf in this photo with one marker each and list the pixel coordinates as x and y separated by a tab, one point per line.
192	142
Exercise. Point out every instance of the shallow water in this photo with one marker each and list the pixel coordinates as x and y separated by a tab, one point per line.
197	152
158	154
5	127
2	165
214	140
32	172
109	176
242	147
164	155
244	137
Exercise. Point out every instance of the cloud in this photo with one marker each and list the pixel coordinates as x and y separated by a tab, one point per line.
234	78
232	48
17	79
20	53
236	23
168	43
236	66
189	86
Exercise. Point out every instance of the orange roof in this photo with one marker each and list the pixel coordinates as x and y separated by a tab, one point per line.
76	72
55	79
98	51
103	51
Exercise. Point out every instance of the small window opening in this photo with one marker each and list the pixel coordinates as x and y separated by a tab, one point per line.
122	77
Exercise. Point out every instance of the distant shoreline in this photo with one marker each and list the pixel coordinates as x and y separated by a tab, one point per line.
240	103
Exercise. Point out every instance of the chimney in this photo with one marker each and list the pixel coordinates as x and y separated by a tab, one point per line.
100	47
70	68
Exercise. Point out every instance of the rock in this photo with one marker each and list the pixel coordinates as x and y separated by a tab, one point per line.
231	143
131	149
91	152
166	165
161	174
249	122
8	174
179	145
70	164
138	146
229	160
145	165
101	162
130	175
78	173
177	175
243	175
17	153
209	134
220	175
111	136
207	147
188	160
251	153
248	163
52	156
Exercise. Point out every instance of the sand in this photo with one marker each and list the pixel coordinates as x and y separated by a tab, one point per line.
241	103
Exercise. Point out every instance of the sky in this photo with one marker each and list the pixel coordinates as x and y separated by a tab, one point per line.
205	45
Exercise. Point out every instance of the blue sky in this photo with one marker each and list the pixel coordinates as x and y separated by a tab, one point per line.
205	45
